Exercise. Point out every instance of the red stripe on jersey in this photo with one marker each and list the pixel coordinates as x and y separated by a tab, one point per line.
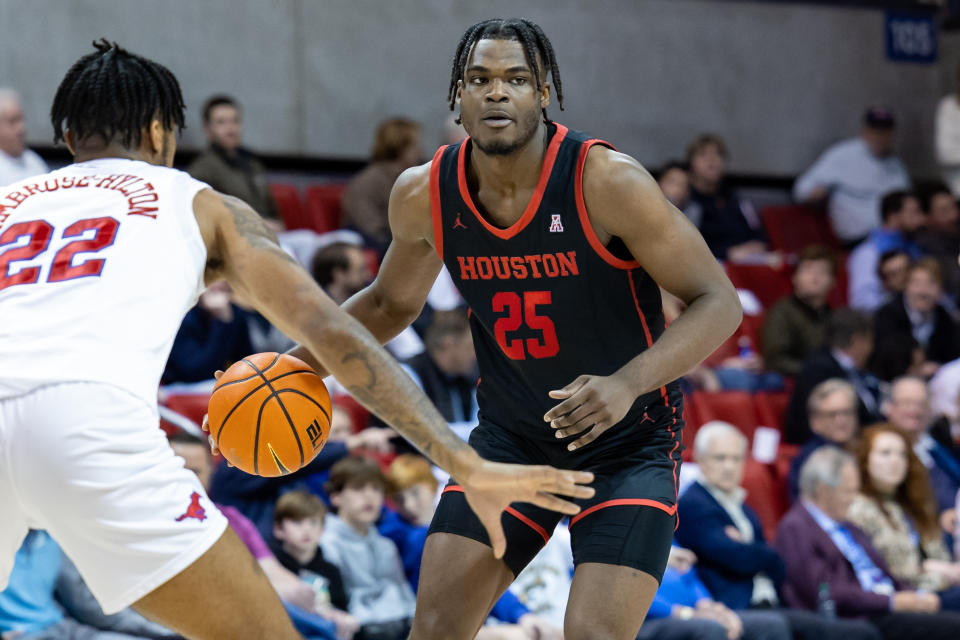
663	389
435	208
592	238
625	502
516	514
534	203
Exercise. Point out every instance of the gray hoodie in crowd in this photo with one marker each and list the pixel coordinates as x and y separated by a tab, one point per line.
372	572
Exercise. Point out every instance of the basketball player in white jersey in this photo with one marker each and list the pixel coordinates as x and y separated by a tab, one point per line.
99	261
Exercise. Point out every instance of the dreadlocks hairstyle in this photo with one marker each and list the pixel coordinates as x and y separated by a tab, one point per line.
530	36
113	92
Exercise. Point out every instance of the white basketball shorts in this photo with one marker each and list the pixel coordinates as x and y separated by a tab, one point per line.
89	463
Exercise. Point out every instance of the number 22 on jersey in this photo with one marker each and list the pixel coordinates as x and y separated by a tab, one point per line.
520	311
39	234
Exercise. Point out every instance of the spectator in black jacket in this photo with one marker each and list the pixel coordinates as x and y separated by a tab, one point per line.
213	335
849	343
917	313
447	370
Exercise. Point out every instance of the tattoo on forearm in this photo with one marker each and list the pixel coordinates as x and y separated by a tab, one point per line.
365	360
253	229
401	404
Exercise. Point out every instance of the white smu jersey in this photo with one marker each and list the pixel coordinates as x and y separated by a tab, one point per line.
99	262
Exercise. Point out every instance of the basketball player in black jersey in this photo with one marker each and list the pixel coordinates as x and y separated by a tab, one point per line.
557	242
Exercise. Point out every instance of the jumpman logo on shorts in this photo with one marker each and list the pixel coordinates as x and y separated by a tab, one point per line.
458	224
194	510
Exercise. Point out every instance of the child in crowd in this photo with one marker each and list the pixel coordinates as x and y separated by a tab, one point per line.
379	596
297	527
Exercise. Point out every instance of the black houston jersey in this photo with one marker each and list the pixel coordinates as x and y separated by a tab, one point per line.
548	302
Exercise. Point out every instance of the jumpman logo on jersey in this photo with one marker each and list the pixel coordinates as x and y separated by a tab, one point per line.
556	226
458	224
194	510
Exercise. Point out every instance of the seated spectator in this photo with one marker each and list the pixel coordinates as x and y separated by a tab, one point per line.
902	219
793	327
729	224
447	370
396	148
897	510
684	608
908	407
849	343
832	408
941	237
341	269
414	491
833	567
213	335
256	496
674	181
30	611
226	165
852	176
733	560
947	137
892	270
896	355
298	597
297	528
917	313
16	160
944	391
380	596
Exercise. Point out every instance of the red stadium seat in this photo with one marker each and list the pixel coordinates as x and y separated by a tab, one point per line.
323	206
735	407
791	228
289	204
358	413
771	408
191	405
767	283
838	297
766	493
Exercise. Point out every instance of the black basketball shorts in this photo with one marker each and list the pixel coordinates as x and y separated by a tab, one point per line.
628	522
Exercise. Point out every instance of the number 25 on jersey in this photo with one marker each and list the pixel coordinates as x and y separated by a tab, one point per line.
522	311
39	233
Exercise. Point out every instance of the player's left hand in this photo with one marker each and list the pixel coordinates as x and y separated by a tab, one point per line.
591	405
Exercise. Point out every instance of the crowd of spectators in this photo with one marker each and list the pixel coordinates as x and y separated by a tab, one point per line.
870	431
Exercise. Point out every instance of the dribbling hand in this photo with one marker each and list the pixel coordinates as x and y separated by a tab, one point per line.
490	487
591	405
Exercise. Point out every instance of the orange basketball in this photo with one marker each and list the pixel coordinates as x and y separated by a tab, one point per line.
269	414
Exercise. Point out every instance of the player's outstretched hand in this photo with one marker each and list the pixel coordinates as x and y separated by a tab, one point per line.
492	486
591	405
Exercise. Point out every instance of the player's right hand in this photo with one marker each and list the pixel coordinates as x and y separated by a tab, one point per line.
206	424
490	487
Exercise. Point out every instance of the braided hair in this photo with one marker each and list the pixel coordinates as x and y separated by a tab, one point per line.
530	36
113	92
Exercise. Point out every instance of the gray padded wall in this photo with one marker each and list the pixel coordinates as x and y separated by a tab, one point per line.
778	81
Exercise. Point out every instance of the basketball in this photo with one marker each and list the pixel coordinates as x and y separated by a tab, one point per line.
269	414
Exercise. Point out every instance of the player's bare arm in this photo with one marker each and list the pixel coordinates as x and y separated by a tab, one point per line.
397	295
244	251
624	200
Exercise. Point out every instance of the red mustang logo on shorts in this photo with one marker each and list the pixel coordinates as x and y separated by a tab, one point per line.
194	510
